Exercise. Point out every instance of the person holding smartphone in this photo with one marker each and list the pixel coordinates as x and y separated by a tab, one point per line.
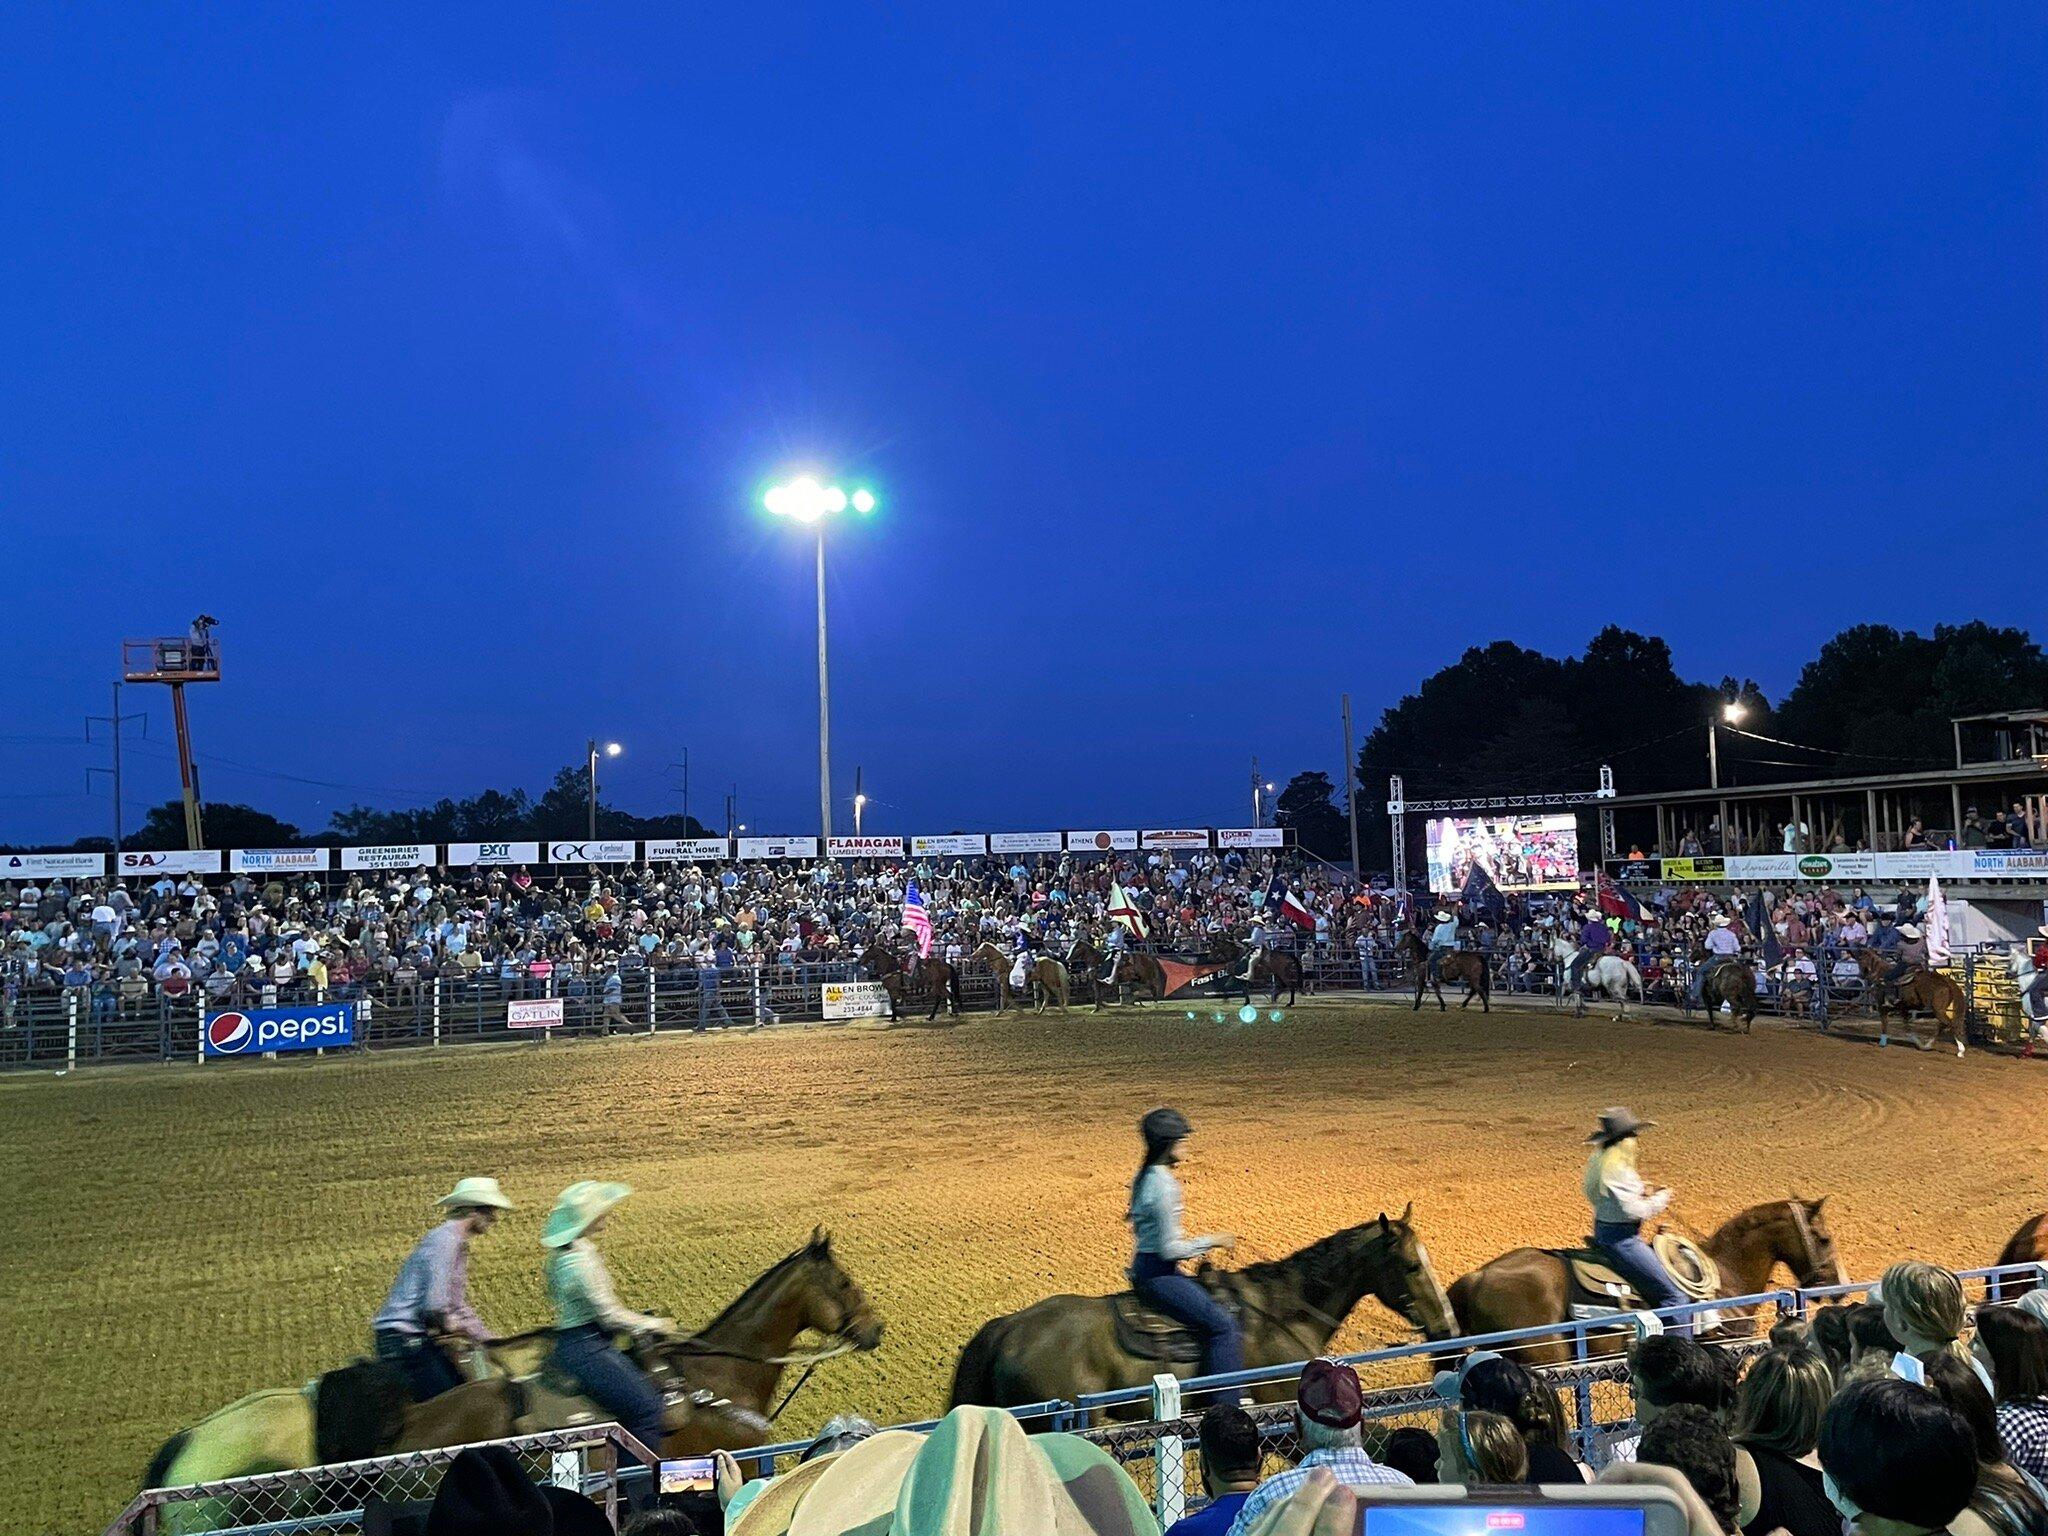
1155	1218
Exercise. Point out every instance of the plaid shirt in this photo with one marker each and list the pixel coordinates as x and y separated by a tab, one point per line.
2024	1429
1348	1464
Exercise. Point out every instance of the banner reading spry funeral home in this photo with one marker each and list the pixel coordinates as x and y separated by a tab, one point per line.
688	850
389	856
42	866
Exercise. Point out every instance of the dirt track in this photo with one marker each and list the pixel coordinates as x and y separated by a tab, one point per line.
182	1235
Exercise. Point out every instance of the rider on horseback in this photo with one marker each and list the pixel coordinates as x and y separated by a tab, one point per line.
1593	941
1621	1203
588	1314
429	1297
1260	939
1722	945
1154	1215
1911	955
1443	940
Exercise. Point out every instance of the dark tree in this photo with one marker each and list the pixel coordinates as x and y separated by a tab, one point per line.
225	824
1309	806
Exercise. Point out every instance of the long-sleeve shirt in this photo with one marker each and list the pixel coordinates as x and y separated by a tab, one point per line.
1155	1217
580	1288
1620	1196
1444	935
431	1291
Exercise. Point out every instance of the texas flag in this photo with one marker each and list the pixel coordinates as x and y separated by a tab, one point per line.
1282	901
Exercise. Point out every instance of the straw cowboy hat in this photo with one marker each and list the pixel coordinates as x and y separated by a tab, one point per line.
976	1472
483	1194
1909	930
577	1207
1618	1124
1721	920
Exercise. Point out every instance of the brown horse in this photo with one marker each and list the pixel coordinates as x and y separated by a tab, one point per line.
1275	967
1918	988
2029	1245
1135	969
938	980
1047	978
1464	965
885	967
1733	983
1289	1309
1532	1286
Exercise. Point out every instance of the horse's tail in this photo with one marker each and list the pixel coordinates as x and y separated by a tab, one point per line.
161	1463
974	1374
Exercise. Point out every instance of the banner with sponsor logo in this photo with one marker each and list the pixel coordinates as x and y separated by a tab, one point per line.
1695	869
256	1031
1101	842
1863	868
951	845
389	856
612	851
856	1000
493	853
864	847
172	861
534	1013
1183	837
23	866
1995	863
778	847
1025	842
256	861
1251	837
688	850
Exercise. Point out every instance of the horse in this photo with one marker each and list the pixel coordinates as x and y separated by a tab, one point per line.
885	967
941	982
1045	978
2029	1245
1609	974
1289	1309
1134	969
1733	983
1464	965
1918	988
1532	1286
361	1410
1276	967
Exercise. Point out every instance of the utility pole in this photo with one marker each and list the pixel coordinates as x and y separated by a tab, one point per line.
1258	814
1351	787
115	720
685	766
860	800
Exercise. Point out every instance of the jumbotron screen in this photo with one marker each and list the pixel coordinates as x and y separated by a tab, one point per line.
1521	853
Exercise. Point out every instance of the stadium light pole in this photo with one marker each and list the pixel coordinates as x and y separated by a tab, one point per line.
806	501
1731	711
611	749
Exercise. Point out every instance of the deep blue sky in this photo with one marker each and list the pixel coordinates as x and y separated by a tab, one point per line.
1210	360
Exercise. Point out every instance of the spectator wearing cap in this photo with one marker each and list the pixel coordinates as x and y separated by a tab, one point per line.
1328	1404
1488	1382
1230	1470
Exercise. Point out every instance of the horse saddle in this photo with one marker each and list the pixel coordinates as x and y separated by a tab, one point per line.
1597	1287
553	1399
1151	1335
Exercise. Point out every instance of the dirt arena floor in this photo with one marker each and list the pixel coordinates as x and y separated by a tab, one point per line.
180	1236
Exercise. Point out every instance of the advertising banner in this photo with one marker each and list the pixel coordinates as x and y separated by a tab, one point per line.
175	861
688	850
1102	842
953	845
24	866
1518	853
534	1013
856	1000
1251	837
1696	868
1184	837
864	847
254	1031
778	847
1025	842
615	851
255	861
389	856
493	853
2001	863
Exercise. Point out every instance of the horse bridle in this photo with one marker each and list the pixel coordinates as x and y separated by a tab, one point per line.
1806	1238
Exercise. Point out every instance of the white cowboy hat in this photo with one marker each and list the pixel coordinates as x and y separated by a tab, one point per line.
577	1207
2042	930
481	1193
1721	921
1442	916
1909	931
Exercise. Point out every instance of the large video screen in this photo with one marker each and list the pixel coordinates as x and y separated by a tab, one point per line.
1521	853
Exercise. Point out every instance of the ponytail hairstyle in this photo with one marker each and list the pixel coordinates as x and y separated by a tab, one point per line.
1927	1301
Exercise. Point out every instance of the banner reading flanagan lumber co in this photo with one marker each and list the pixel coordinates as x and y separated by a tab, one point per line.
255	1031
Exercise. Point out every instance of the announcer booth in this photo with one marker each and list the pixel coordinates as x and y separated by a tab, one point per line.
176	660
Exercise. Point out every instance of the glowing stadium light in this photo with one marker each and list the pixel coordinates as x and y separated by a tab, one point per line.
863	500
612	749
1733	711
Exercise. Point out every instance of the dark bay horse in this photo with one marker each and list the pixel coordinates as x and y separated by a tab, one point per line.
1531	1286
2029	1245
939	980
1468	966
1135	969
1047	978
1733	983
1276	968
1289	1309
1918	988
885	966
738	1357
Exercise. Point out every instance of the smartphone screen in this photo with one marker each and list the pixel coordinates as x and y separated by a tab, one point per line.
688	1474
1477	1519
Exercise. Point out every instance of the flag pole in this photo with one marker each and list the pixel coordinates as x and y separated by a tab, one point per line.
1351	788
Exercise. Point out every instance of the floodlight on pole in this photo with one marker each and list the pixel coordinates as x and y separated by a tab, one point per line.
805	500
611	749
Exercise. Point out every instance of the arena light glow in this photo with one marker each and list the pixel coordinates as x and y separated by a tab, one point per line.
1247	1014
805	499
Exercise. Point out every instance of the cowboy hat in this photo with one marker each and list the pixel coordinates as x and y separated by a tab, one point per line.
481	1193
1442	916
577	1207
1909	930
1618	1124
2042	930
1721	920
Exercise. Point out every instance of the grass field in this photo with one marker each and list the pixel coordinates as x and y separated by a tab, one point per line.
183	1235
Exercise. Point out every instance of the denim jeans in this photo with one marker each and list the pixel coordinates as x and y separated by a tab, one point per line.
1622	1242
1165	1289
613	1382
422	1361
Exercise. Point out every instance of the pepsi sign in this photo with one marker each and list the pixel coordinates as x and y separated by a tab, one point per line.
255	1031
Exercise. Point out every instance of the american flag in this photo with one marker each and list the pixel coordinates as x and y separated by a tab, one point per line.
917	920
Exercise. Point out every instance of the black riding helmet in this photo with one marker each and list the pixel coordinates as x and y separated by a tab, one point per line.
1164	1125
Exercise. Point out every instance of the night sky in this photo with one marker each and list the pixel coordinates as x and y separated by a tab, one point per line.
1209	361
